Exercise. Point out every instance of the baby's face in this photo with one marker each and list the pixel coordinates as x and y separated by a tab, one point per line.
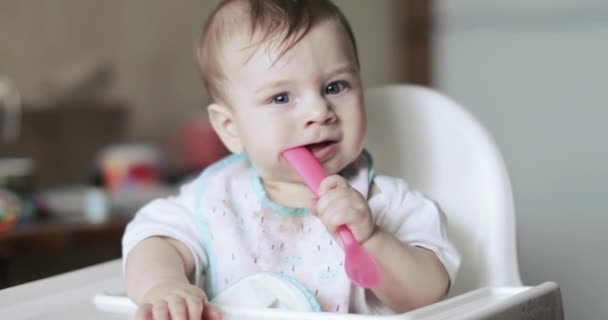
311	96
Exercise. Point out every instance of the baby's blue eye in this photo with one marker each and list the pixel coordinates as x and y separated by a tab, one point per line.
280	98
335	87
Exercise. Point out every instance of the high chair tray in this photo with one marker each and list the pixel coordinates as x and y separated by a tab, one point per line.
80	295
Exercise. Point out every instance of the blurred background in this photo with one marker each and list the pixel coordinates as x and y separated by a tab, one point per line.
101	110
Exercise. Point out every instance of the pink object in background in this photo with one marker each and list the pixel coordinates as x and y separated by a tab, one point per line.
361	268
202	145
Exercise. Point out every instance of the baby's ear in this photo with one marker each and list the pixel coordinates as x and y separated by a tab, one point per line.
222	120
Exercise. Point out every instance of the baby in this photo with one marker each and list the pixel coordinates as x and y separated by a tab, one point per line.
285	73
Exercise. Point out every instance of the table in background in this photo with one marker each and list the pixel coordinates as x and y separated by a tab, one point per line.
52	245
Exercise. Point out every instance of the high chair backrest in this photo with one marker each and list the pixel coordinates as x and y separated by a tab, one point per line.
441	150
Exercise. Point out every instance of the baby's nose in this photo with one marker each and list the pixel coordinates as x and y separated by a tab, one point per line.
319	113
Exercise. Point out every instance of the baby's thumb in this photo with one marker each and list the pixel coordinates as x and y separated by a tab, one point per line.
211	312
332	182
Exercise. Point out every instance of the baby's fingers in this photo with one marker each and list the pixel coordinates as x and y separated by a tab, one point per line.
144	312
177	308
195	308
160	310
211	312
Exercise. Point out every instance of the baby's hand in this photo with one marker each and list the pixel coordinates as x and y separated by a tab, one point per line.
340	204
176	300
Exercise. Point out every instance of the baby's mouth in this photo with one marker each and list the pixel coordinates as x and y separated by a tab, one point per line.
323	150
319	145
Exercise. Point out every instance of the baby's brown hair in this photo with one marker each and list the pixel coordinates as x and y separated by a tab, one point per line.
290	19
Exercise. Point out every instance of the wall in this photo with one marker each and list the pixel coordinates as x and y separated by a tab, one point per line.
536	74
149	43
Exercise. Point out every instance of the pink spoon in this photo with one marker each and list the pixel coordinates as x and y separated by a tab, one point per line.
361	268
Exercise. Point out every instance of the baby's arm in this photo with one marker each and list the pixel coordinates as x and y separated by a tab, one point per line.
156	279
413	277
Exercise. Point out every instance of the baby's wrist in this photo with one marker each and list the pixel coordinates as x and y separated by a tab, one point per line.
375	230
374	241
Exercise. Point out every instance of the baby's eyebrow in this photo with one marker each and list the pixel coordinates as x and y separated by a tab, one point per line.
340	70
272	85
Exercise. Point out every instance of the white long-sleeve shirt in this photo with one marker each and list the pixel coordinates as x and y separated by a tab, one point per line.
234	230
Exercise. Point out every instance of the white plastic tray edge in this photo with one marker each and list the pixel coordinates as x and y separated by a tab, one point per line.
78	289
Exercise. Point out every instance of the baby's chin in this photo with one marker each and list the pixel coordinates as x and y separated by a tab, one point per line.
338	163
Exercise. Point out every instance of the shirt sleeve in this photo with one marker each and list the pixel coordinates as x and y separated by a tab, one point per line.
414	219
170	217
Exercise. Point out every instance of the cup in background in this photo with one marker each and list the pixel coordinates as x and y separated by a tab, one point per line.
129	166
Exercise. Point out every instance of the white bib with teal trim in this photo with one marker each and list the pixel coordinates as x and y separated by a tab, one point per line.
245	233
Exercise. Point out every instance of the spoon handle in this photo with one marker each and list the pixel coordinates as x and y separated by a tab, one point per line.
313	173
360	267
346	235
304	163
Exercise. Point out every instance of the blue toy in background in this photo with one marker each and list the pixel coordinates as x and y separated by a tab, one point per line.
15	209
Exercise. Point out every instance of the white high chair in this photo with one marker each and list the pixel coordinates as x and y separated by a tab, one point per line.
445	153
441	150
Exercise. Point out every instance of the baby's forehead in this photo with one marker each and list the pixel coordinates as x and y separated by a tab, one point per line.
236	34
238	30
243	45
233	31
